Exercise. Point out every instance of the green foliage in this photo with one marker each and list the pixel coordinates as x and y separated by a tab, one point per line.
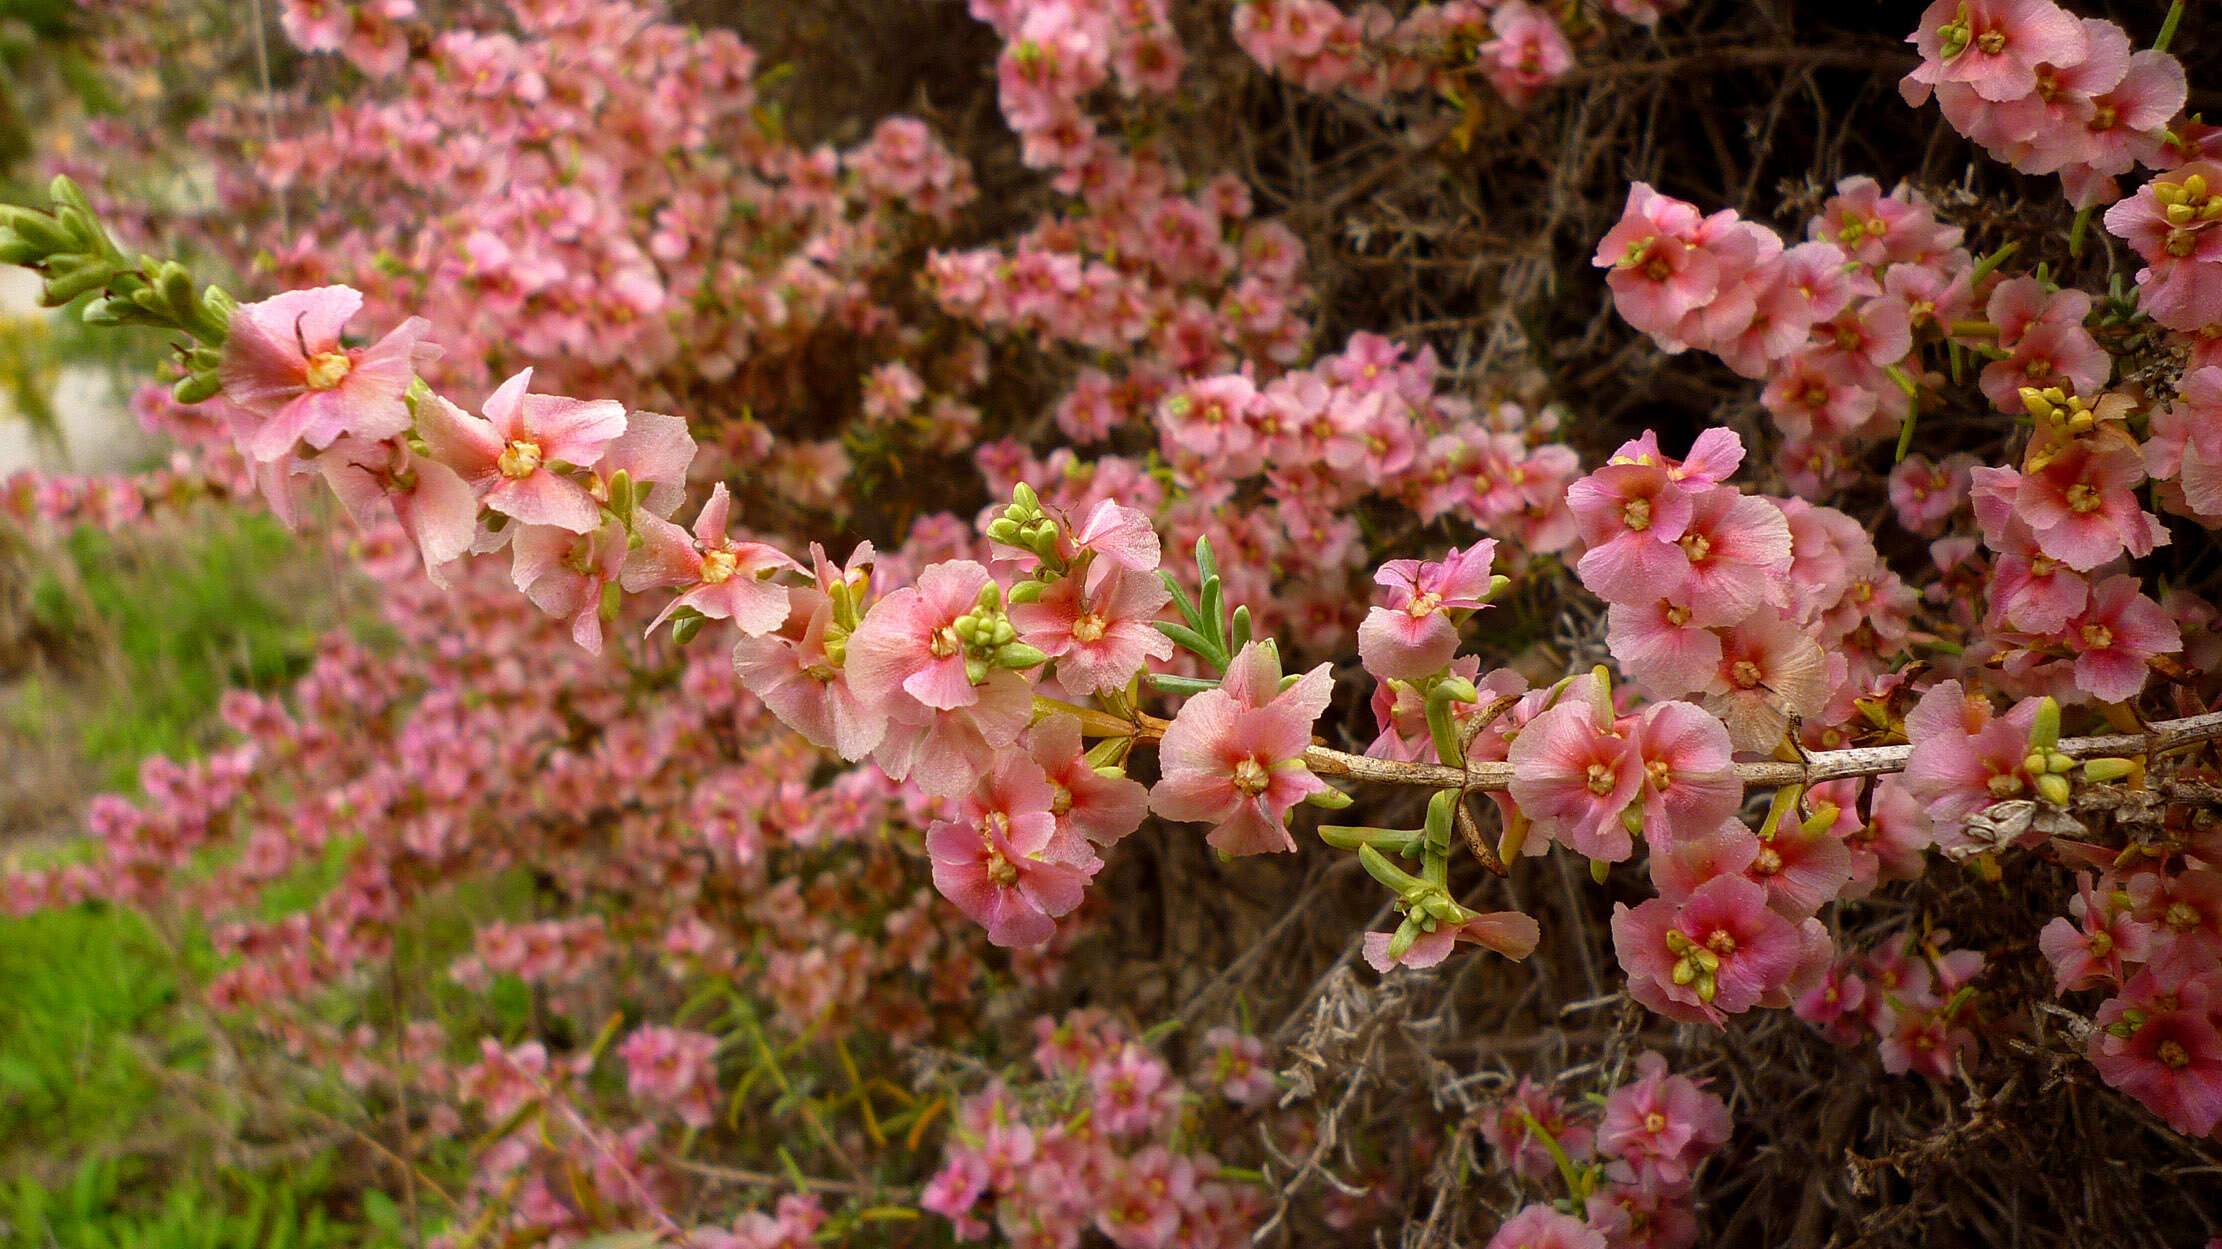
181	623
99	1209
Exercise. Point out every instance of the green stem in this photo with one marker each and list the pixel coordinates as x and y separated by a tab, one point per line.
2077	231
2168	27
1985	266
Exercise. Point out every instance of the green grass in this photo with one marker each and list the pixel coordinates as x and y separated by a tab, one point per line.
177	621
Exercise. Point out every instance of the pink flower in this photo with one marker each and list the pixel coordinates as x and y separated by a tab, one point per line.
1509	933
1630	516
674	1068
284	363
1962	758
565	574
1735	546
2170	223
726	580
1667	646
1102	635
1574	775
1661	266
2171	1060
2115	636
991	861
512	454
800	671
1504	1124
1088	804
1541	1227
1234	757
1688	785
437	511
1770	670
1528	53
1712	955
1657	1128
2089	950
1994	46
910	640
1414	635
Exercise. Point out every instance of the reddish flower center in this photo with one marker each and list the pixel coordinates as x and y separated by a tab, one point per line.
1722	942
520	458
1654	1123
1251	778
327	369
1769	862
2172	1055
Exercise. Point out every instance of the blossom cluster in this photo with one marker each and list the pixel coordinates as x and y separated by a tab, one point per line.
1632	1168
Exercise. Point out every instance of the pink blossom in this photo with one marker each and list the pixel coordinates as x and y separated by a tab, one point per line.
1658	1127
2089	950
800	671
1541	1227
1714	954
284	364
1509	933
1689	787
511	455
1770	670
726	580
1088	804
1234	757
1994	46
565	574
1102	635
437	511
1414	635
2115	636
1575	775
1963	759
2171	1060
1528	53
991	863
1520	1149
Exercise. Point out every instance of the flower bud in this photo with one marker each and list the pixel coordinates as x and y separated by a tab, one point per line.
1330	798
2044	731
2054	788
1027	591
1018	655
197	388
2109	769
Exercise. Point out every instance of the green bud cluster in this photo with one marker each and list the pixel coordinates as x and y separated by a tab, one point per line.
1025	526
990	639
72	251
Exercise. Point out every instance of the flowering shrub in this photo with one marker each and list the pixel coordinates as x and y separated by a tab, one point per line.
782	898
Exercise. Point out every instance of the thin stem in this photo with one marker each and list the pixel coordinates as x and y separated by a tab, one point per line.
2168	27
1831	765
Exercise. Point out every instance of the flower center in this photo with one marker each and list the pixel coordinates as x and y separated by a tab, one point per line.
2101	943
1602	779
2172	1055
2097	637
718	566
519	459
2082	500
1654	1123
1992	42
945	642
1744	674
1697	546
1769	862
1060	799
327	369
1637	514
2003	785
2181	915
1677	616
1088	628
1250	777
1001	870
1722	942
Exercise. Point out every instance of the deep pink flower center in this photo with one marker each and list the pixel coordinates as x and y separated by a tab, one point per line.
1769	862
521	458
327	369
